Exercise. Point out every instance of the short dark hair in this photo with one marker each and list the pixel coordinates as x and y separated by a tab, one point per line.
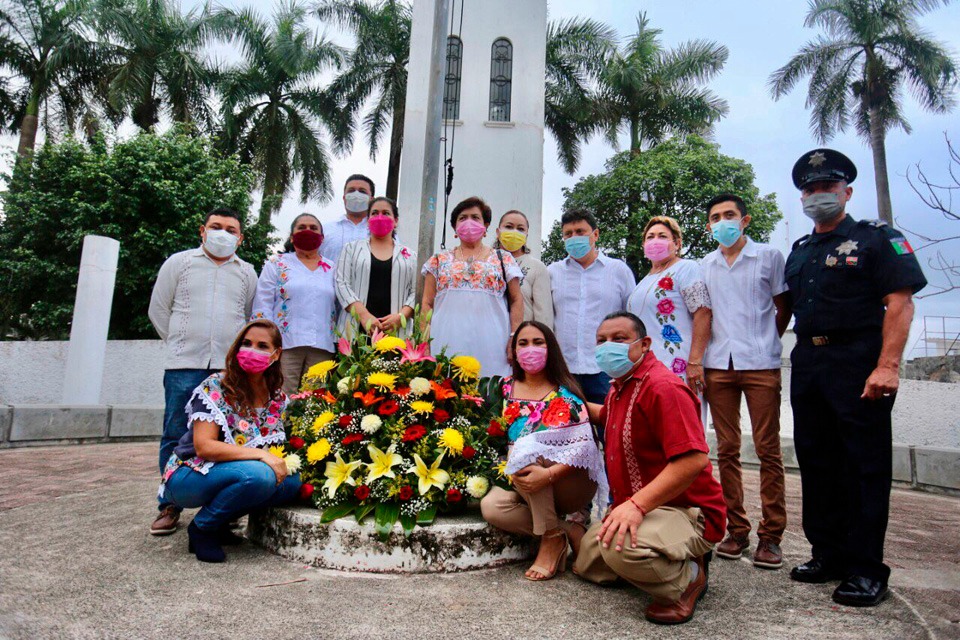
360	176
496	243
390	201
470	203
288	245
727	197
226	212
638	325
577	215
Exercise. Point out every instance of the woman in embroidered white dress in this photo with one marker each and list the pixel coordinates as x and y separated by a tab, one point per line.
297	291
673	302
223	463
473	294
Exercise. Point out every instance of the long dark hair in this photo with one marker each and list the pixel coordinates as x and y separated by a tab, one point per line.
236	385
556	370
288	245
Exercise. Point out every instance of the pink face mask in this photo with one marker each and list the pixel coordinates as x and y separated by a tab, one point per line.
532	359
470	230
382	226
253	361
657	249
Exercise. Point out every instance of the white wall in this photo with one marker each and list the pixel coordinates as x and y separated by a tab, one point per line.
500	162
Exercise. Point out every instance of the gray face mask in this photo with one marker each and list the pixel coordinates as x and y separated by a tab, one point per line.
821	207
357	201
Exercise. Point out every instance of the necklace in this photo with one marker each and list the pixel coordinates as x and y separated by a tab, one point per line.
471	267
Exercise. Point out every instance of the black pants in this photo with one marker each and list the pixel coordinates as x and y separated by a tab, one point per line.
844	447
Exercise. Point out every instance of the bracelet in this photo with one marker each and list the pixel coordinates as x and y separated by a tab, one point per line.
695	364
643	511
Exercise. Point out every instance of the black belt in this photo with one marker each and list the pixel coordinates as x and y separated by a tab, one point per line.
836	337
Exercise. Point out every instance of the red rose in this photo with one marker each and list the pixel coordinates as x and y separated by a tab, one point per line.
666	283
454	495
306	490
350	439
264	431
469	452
440	415
362	492
495	429
413	432
297	442
512	411
345	421
388	408
406	492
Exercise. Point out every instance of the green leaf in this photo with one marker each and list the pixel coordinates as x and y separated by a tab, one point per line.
336	511
408	522
427	516
363	511
385	517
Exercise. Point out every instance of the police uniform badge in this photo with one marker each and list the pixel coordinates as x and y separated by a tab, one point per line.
817	158
831	261
847	248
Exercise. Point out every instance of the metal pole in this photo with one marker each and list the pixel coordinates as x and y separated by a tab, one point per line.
431	146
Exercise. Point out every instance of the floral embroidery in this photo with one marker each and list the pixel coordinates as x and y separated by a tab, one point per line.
477	275
665	307
283	276
679	366
666	313
670	334
666	283
559	409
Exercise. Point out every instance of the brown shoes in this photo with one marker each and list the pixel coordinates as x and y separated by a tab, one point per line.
683	609
768	555
166	522
732	547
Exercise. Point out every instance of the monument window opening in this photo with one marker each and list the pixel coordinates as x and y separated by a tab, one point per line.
451	87
501	79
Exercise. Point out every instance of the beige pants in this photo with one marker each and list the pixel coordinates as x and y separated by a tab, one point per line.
536	513
295	362
668	537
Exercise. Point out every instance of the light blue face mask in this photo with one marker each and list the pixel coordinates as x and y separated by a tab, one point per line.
726	232
613	358
577	246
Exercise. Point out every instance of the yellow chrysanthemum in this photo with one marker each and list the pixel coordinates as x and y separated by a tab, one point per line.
241	439
321	369
277	450
451	440
421	406
382	381
322	421
467	367
390	343
502	471
318	450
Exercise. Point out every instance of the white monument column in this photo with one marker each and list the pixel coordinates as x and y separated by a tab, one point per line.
91	320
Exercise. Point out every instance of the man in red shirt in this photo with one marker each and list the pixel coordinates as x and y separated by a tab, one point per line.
668	510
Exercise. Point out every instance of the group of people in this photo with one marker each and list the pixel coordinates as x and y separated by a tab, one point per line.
604	377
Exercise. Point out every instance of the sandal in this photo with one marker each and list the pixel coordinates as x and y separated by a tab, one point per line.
559	562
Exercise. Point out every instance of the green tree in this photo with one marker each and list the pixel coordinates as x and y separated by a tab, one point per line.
675	178
858	70
272	107
655	93
159	60
150	193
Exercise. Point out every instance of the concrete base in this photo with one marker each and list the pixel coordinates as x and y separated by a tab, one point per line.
450	544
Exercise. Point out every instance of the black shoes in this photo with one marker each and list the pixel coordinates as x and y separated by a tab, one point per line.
860	591
227	537
204	544
816	572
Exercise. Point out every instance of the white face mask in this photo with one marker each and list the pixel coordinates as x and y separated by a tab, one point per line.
357	202
220	243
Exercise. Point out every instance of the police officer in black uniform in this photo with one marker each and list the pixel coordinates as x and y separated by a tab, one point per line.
851	288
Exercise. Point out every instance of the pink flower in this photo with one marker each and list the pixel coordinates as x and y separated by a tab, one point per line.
215	395
665	307
474	399
377	336
416	353
343	346
271	421
679	366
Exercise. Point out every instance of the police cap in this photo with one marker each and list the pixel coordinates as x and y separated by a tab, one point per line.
823	165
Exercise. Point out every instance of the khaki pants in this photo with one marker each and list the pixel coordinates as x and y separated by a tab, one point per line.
534	514
295	362
762	389
668	537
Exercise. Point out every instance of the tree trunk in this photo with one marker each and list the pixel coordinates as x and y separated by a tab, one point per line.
396	149
878	145
29	126
634	137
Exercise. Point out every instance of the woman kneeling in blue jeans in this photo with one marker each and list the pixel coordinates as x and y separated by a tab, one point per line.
222	464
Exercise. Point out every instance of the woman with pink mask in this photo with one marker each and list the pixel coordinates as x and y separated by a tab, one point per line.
376	276
474	293
673	302
554	463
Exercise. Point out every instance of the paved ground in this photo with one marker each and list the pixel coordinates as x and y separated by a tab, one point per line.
77	562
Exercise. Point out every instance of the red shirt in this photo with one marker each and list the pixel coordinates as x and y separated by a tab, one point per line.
664	418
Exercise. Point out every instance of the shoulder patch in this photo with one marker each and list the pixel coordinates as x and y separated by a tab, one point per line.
879	224
800	241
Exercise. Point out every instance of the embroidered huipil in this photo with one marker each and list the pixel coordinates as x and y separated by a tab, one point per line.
301	302
198	306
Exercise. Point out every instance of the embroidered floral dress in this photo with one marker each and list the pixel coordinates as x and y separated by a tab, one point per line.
208	403
470	315
555	428
666	302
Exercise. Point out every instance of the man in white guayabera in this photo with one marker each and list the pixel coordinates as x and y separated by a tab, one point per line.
357	193
201	299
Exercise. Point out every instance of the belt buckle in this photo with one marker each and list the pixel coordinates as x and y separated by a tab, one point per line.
820	341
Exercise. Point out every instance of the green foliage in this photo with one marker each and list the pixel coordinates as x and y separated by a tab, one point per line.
150	193
675	178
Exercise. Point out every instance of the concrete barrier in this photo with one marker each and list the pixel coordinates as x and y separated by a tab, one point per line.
135	421
32	425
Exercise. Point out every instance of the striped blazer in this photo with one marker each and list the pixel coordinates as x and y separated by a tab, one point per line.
353	279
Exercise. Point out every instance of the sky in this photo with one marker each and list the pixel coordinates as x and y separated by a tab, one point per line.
761	36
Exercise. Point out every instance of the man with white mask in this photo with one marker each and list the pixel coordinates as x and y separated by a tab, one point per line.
357	193
201	299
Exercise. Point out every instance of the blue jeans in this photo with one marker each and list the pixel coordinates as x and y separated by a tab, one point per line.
595	387
228	491
178	386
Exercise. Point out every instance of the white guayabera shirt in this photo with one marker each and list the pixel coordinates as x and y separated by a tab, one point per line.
339	234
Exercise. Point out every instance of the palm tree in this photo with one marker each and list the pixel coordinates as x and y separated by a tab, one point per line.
857	71
377	67
655	93
272	108
45	46
160	60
